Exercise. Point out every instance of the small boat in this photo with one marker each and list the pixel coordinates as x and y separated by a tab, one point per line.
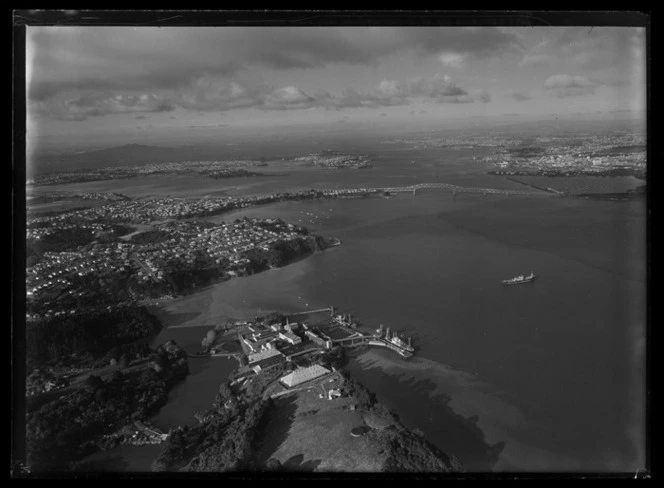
520	279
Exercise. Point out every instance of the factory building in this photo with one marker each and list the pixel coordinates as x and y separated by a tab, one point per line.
302	375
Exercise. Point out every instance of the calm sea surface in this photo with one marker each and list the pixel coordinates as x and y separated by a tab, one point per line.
546	376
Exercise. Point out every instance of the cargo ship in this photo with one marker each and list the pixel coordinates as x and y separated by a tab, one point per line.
520	279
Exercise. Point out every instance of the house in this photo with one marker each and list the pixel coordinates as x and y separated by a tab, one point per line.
259	356
327	344
290	337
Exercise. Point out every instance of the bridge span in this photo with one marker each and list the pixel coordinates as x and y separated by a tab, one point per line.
462	189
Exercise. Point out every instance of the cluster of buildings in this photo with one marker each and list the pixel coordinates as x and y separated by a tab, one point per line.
454	142
193	166
272	345
70	195
587	155
149	210
172	167
587	165
334	160
296	348
39	232
221	245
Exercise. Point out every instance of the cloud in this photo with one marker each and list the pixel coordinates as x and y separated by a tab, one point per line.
383	114
212	93
521	97
66	58
476	42
451	59
537	59
569	86
99	103
140	117
481	95
438	88
599	48
209	92
288	98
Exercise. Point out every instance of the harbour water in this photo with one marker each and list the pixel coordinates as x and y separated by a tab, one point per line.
546	376
555	365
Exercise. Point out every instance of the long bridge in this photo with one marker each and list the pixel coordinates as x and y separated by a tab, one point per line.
461	189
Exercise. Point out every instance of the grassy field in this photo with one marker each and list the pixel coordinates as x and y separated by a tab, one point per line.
308	433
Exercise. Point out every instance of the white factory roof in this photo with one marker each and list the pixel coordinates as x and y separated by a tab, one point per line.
303	375
259	356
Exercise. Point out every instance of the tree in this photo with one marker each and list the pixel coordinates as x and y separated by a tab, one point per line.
273	465
209	338
94	382
124	361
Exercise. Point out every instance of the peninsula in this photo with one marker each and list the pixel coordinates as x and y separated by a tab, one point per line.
291	406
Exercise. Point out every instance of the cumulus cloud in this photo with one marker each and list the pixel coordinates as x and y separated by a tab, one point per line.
438	88
451	59
218	93
569	86
288	98
210	92
521	97
93	104
69	58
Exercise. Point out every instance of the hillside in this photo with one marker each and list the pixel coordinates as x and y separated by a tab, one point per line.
126	155
309	433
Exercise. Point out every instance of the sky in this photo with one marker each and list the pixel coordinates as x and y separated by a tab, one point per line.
87	81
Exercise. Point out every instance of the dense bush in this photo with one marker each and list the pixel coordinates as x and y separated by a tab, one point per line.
89	336
63	430
60	240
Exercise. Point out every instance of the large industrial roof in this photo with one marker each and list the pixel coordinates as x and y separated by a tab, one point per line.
303	375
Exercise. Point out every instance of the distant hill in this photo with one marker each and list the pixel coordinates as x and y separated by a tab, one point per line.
127	155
